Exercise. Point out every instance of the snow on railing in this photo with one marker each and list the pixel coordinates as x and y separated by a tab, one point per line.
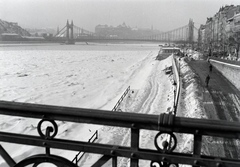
121	99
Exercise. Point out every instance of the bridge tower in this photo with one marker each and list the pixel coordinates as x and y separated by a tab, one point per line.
190	32
69	28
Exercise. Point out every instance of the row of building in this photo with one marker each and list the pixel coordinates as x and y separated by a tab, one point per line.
220	33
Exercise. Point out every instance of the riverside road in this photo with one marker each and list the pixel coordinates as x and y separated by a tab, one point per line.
221	100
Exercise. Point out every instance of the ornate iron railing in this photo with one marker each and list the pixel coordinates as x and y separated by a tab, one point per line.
164	124
121	99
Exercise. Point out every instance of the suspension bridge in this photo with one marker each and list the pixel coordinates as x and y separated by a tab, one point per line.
71	33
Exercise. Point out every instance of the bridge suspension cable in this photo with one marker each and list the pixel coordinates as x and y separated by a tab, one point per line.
60	32
177	34
182	34
81	31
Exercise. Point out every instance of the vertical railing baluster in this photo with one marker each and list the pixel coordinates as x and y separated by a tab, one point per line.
197	147
76	158
134	145
114	161
96	134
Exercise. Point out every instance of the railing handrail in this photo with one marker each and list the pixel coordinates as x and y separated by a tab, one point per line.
121	119
164	123
121	99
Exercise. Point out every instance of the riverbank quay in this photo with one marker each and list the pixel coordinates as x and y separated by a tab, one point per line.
235	62
229	69
221	101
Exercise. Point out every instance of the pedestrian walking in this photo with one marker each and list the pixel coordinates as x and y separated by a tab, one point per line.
207	80
210	67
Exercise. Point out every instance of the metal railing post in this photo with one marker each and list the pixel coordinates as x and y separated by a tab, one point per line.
197	145
114	161
134	145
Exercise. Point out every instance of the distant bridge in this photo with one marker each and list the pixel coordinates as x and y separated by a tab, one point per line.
72	33
184	34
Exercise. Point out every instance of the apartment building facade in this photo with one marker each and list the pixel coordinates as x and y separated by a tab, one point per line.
215	36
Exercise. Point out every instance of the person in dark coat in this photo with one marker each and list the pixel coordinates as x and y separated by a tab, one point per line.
207	80
210	67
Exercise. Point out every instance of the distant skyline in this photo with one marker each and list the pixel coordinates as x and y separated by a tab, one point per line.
163	15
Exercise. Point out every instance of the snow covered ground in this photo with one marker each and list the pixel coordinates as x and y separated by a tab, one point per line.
93	76
89	76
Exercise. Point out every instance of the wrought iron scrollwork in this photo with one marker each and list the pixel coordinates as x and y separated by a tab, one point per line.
50	133
36	160
43	158
169	144
166	146
50	129
166	120
162	164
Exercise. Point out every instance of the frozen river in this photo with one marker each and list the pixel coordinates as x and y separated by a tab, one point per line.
69	75
86	76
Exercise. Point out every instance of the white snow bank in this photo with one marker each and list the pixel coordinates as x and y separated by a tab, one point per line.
197	56
191	93
192	54
190	104
153	95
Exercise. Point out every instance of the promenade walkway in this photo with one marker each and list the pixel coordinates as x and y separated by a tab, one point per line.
221	100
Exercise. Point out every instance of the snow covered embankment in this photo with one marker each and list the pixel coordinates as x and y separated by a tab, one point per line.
191	94
191	105
151	93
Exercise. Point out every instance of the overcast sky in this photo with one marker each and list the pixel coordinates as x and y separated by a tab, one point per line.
161	14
